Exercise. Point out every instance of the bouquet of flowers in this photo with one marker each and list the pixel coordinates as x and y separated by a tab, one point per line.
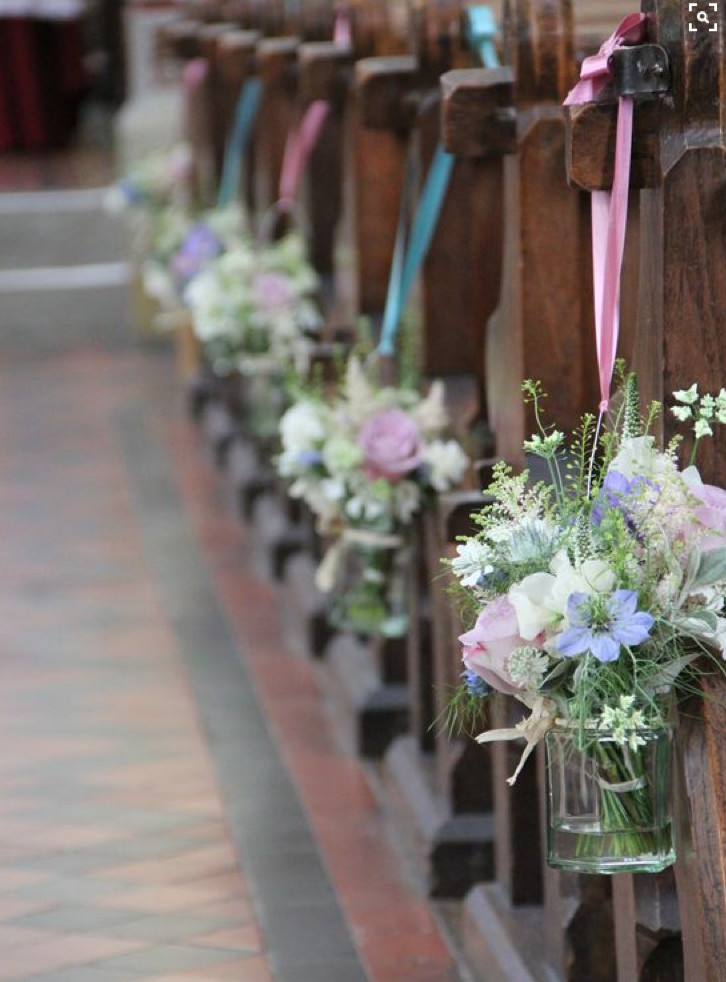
596	600
154	183
182	247
254	306
365	464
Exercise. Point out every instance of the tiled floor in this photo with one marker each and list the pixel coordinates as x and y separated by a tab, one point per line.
174	806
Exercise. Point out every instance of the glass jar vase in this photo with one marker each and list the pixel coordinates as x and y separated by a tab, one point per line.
609	803
263	397
370	593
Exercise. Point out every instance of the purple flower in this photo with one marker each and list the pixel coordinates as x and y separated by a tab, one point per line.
603	625
476	685
199	247
615	491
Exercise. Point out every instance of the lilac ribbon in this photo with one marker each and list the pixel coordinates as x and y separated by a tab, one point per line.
609	208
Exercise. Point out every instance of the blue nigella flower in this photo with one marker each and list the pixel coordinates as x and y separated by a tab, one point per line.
310	458
133	194
200	246
476	685
602	625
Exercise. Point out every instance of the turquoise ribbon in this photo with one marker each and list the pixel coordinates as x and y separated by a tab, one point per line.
481	33
410	249
244	121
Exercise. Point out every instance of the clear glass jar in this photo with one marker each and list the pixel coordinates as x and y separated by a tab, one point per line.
609	805
263	398
370	594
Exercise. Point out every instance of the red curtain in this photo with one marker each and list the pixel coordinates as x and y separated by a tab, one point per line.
41	82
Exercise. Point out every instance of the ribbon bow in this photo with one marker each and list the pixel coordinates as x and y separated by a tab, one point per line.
596	72
609	208
533	729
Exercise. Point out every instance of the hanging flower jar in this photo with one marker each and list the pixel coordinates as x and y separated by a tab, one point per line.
609	799
366	462
264	399
254	311
600	599
370	592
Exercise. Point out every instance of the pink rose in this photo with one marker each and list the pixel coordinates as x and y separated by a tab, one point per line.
273	292
486	648
712	515
391	443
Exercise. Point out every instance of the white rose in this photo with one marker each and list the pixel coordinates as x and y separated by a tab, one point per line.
593	576
530	599
540	600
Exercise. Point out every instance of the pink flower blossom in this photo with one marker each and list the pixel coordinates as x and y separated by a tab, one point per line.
487	647
711	515
391	443
273	292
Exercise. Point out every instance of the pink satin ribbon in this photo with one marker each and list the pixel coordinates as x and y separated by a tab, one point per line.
609	208
301	141
300	144
342	33
194	73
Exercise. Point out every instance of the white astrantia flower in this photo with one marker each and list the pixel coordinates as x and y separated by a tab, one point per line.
527	666
472	561
447	463
682	413
702	428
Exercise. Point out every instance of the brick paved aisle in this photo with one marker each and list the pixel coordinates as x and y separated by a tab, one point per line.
172	803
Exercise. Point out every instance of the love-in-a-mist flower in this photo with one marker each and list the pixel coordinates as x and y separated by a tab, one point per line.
199	247
621	492
602	625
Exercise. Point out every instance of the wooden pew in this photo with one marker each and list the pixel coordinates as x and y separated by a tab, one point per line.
370	677
678	163
399	97
543	329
